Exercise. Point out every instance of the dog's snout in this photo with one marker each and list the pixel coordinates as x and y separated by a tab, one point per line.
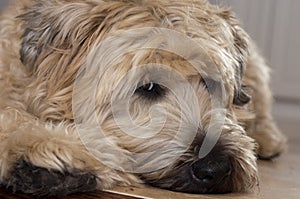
213	173
210	171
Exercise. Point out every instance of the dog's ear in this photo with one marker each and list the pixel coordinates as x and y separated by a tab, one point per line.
240	43
51	24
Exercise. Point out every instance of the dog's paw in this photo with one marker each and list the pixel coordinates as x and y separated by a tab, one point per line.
271	141
39	181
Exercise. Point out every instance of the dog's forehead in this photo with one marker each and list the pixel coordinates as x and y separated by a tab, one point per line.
141	49
164	62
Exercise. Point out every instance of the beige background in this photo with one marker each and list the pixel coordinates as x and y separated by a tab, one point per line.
275	26
2	3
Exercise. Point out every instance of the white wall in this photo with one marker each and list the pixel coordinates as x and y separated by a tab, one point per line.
2	3
275	26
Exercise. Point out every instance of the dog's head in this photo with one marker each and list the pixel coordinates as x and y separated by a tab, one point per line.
160	80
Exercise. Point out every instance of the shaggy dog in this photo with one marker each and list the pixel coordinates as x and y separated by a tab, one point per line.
100	93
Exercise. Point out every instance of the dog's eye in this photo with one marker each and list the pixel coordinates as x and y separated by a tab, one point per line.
209	84
151	91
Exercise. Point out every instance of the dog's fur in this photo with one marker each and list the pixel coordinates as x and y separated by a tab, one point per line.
45	43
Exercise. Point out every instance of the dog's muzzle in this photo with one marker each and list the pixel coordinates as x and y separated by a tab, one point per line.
211	174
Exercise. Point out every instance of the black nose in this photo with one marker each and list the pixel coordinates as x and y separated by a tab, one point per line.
211	171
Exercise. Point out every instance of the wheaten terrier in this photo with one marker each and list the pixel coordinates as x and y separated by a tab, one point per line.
99	93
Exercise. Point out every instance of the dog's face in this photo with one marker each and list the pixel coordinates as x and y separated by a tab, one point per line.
160	80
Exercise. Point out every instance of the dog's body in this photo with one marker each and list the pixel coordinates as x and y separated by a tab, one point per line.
45	44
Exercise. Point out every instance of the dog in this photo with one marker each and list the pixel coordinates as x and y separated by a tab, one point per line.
103	93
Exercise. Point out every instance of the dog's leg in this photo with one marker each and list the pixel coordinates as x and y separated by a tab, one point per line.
28	178
264	130
44	160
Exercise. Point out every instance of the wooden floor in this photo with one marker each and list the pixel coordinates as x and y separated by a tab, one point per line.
279	179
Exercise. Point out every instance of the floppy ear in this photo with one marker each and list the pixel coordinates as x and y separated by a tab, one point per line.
240	42
57	37
52	26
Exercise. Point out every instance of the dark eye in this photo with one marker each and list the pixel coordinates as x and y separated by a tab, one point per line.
209	84
151	91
